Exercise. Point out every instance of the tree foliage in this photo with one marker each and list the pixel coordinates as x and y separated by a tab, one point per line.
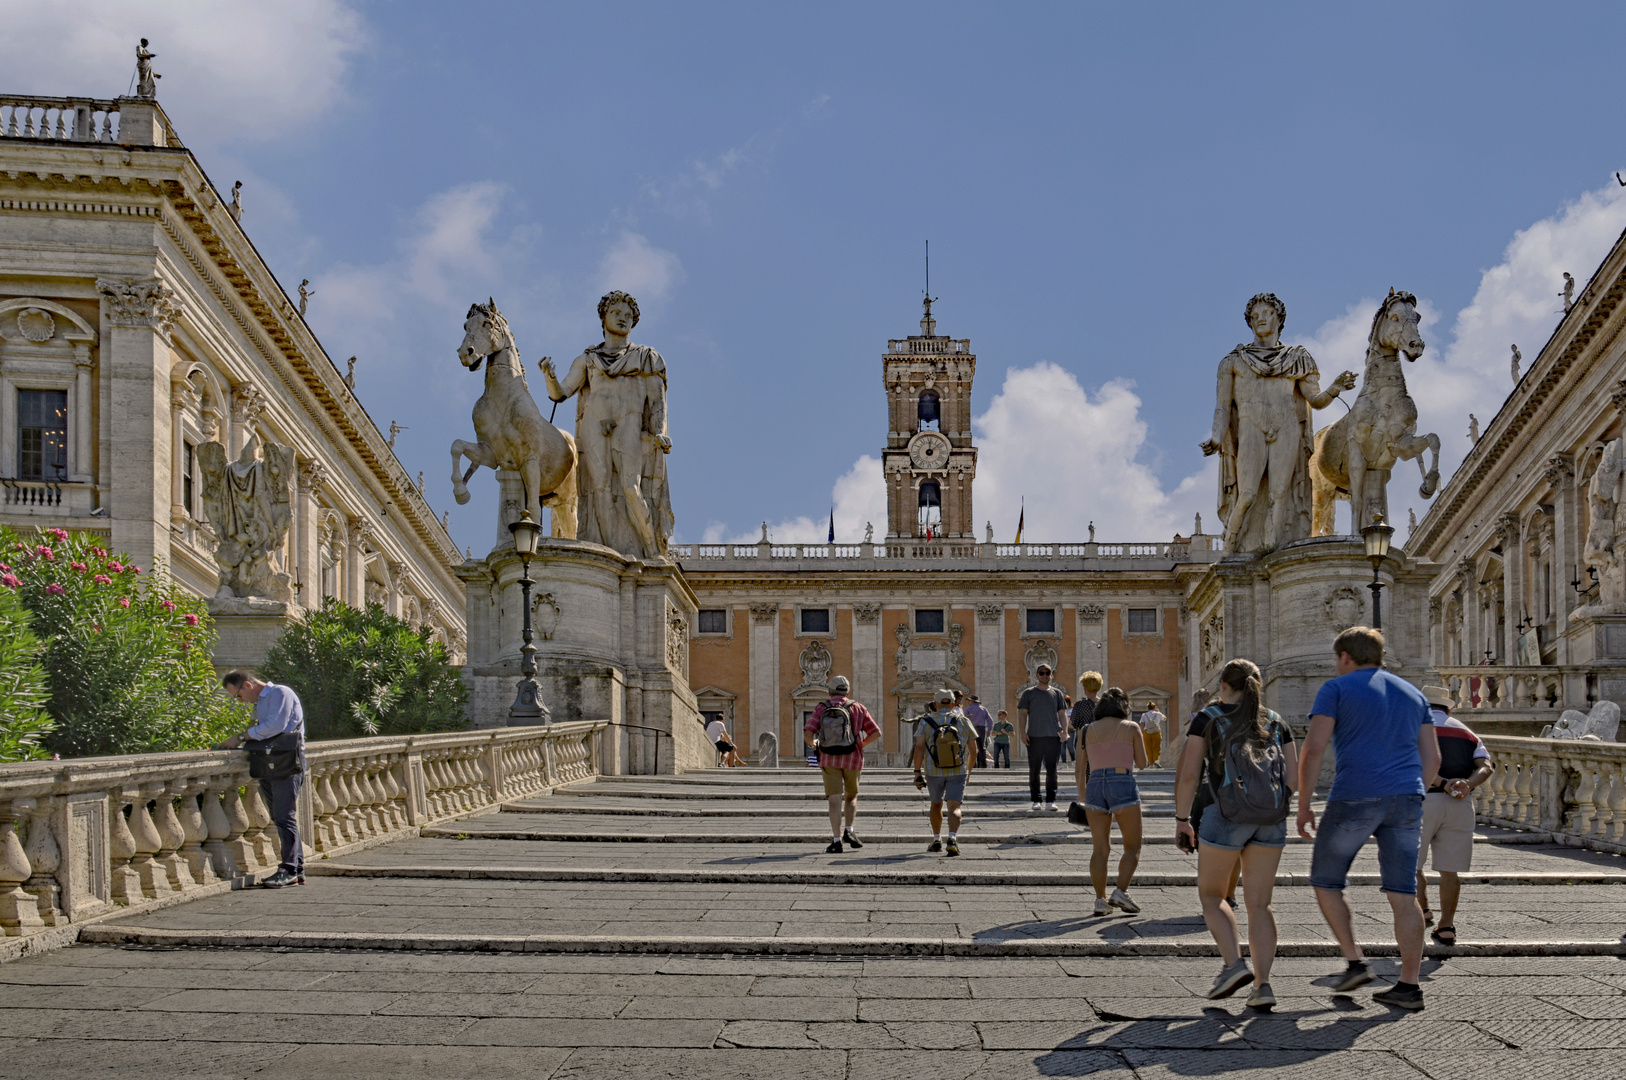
126	653
23	719
365	672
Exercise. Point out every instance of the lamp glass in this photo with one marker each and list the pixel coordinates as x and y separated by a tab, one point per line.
526	533
1377	537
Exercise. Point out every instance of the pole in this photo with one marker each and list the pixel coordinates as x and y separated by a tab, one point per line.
527	708
1377	602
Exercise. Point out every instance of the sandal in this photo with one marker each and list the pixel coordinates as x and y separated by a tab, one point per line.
1428	917
1440	935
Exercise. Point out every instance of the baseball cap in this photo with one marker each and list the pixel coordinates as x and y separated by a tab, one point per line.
840	685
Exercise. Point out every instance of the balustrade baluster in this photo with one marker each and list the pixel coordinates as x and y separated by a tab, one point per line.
266	852
44	857
149	844
366	822
194	831
124	883
173	836
19	910
323	804
61	130
218	824
394	807
1580	819
1617	803
244	852
354	821
377	800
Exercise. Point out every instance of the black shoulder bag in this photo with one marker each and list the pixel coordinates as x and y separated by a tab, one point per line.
276	758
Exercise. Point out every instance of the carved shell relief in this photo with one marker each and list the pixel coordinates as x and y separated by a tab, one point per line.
36	325
545	614
1345	607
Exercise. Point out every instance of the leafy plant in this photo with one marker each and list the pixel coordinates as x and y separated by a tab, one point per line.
365	672
23	693
126	653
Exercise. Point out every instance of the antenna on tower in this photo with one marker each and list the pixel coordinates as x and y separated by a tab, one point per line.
928	325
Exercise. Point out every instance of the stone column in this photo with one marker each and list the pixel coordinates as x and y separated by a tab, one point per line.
1092	642
312	477
1566	541
988	649
180	396
355	564
136	362
866	659
764	660
83	470
1512	587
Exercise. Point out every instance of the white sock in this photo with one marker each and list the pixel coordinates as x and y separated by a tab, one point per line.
937	836
951	836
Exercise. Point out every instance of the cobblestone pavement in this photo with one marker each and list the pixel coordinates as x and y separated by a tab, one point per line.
665	928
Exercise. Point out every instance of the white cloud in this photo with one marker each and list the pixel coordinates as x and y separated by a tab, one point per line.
633	265
231	71
858	498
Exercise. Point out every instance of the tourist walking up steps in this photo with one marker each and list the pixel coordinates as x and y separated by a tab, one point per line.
1250	765
1002	738
276	758
981	721
839	729
1109	752
1151	722
1386	756
1448	811
1040	713
1200	803
945	749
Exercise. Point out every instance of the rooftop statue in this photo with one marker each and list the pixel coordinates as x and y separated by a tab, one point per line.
620	391
1355	454
247	501
1262	432
146	81
1516	358
508	427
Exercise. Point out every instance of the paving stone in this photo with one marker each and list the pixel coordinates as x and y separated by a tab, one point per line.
884	1010
767	1034
1524	1064
141	1060
739	1008
1318	1031
604	1033
1559	1034
1591	1007
969	1065
722	1064
484	1005
292	1029
251	1002
1276	1065
421	1062
1206	1032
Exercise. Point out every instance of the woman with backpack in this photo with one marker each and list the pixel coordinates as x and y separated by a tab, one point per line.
1251	763
1110	750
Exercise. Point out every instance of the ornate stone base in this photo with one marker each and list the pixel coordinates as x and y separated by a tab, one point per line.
247	629
1596	637
612	639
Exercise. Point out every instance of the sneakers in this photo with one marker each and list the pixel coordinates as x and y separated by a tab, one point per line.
1230	980
1102	907
1120	899
952	848
1035	809
1052	807
1356	975
1262	997
935	845
852	841
282	878
1401	997
834	848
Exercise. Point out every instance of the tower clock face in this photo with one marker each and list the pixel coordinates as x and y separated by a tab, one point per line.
929	450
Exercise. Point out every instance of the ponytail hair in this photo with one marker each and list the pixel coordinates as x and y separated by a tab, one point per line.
1248	722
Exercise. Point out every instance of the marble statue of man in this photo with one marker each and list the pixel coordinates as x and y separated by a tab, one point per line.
621	441
1263	432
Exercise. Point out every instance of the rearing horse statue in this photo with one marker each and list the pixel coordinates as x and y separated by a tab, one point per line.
1354	455
509	426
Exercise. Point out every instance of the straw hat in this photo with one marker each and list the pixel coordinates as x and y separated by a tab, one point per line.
1438	696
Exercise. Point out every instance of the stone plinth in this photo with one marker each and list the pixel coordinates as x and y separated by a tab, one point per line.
612	639
1597	639
247	628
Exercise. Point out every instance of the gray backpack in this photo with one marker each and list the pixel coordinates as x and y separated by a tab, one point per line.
1250	784
837	733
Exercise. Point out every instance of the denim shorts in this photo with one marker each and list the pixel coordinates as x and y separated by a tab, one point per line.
950	788
1397	823
1109	791
1216	830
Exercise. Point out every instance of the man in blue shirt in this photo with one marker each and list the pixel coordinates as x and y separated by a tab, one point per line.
277	714
1386	756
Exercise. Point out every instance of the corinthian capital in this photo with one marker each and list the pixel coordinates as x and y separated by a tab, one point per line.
312	477
140	302
247	403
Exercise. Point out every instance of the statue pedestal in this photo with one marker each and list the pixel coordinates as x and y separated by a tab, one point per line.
612	641
1596	637
1283	609
247	628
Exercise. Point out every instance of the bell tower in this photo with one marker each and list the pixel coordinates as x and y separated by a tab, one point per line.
929	460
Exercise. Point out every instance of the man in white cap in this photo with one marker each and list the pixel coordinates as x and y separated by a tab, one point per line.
839	729
945	754
1448	811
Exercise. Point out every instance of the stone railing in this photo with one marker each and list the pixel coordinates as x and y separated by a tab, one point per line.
963	553
931	346
1506	687
67	119
1573	790
81	838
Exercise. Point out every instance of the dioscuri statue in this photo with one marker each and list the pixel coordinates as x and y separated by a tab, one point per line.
247	501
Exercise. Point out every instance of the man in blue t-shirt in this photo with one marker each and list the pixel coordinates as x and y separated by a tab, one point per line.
1385	756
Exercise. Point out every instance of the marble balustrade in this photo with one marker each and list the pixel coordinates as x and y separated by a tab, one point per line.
82	837
1572	789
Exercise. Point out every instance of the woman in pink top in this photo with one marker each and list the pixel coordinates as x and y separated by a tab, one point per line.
1109	753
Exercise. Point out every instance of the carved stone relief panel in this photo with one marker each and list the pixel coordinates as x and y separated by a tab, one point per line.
545	612
764	613
1091	613
990	613
815	662
677	640
1344	607
866	613
1040	652
1213	643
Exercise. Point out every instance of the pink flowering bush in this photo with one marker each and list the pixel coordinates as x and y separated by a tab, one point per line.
126	658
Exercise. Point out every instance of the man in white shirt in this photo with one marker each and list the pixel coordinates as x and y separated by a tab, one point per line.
1151	725
718	734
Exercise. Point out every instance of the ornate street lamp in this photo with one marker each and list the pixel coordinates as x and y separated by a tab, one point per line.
527	707
1377	537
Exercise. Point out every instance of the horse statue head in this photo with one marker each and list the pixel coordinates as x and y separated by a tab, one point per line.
1394	327
485	333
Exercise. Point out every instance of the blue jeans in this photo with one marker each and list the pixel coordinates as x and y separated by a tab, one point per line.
1109	791
1002	750
1396	821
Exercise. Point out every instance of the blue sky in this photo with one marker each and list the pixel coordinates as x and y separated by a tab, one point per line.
1103	188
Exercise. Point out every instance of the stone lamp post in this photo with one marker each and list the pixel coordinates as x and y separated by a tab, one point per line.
1377	537
527	708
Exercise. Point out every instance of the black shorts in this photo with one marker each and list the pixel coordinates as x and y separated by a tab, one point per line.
725	746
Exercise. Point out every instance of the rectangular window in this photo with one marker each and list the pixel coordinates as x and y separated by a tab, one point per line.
42	434
1143	620
188	456
929	621
713	621
815	620
1041	620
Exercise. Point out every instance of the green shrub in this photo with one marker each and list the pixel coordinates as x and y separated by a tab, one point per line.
365	672
126	654
23	719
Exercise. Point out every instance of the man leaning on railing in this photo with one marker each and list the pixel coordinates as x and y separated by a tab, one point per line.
276	758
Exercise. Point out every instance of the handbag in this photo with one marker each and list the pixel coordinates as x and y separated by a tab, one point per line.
276	758
1076	814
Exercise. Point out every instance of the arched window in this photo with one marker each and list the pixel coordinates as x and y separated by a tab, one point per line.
931	506
929	411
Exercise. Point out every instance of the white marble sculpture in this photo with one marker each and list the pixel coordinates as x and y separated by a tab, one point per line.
146	80
1569	291
508	427
1516	358
1262	430
1602	724
1605	546
620	391
1355	454
247	501
1473	429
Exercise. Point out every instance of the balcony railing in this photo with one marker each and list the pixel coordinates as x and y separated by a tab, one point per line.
928	346
81	838
81	120
1575	791
887	554
1506	687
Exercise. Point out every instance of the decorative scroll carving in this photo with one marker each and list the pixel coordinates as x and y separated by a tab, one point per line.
764	613
1091	613
1560	467
866	613
139	302
545	612
1040	652
312	477
990	613
248	403
815	663
1344	607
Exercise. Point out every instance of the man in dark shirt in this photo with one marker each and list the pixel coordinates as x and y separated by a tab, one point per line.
1448	811
1040	713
